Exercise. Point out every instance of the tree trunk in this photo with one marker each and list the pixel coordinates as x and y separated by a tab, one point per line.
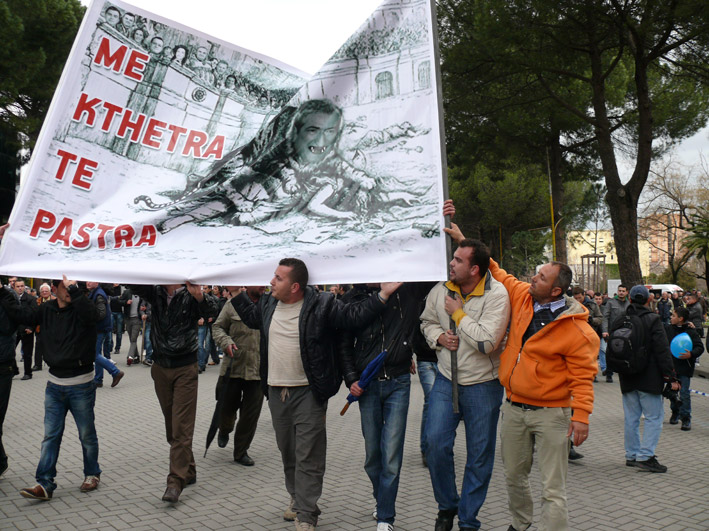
622	204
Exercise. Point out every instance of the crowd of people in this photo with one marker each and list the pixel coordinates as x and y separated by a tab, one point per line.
483	343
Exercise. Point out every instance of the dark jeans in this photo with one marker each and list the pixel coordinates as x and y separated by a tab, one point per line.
58	400
6	374
38	352
176	390
383	409
299	423
479	409
246	397
118	322
27	350
685	410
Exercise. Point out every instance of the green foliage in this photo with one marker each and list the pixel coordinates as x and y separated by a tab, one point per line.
36	38
612	271
684	279
525	252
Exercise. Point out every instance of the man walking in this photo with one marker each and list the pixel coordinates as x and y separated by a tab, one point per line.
480	307
241	376
103	336
176	308
45	295
384	404
615	307
69	327
642	391
25	332
299	372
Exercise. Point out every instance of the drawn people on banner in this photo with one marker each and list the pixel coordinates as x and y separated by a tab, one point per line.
179	55
127	24
293	166
112	16
139	36
199	64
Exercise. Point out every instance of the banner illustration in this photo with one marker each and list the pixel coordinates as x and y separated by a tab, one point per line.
169	155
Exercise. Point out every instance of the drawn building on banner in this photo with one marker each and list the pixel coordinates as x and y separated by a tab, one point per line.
389	59
192	92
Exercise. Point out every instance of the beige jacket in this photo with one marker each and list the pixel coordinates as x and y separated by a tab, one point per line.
480	325
229	329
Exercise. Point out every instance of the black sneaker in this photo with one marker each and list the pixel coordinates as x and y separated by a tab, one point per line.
686	424
631	462
444	521
651	465
3	468
222	439
574	455
674	417
609	378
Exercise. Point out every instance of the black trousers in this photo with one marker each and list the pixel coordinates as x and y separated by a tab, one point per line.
6	374
246	397
27	350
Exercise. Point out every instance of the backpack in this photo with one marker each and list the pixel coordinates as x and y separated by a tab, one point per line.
626	352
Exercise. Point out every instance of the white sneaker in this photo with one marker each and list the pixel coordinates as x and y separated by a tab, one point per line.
289	514
374	515
383	526
303	526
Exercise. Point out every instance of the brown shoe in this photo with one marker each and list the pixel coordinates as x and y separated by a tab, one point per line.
38	492
117	378
172	495
90	483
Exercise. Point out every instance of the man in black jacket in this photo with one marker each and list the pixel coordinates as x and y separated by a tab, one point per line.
642	391
175	312
68	325
299	372
385	402
103	336
25	333
684	366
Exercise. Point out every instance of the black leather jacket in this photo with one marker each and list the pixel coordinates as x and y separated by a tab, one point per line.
173	331
321	316
393	330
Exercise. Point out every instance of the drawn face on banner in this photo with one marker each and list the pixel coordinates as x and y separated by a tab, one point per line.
128	20
316	137
201	53
113	16
156	45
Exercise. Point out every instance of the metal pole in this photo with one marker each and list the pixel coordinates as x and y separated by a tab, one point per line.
444	174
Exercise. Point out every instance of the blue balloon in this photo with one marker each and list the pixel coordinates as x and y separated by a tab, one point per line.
680	344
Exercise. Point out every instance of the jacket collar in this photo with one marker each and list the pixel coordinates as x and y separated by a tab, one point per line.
479	290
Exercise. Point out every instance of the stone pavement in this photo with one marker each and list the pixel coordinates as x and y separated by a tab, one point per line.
603	493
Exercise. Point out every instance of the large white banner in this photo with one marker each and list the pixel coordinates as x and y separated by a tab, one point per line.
168	155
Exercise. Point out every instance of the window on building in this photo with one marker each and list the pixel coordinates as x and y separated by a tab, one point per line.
385	85
425	75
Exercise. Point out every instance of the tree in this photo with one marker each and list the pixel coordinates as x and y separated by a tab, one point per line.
632	71
698	241
37	36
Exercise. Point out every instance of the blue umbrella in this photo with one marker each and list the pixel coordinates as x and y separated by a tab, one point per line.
369	372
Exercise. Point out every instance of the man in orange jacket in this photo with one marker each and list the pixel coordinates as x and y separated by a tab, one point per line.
547	369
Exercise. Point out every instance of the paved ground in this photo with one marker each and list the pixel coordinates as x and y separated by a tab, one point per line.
603	493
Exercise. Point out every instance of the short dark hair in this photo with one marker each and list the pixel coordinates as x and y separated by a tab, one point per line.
311	107
578	290
480	256
682	313
597	294
622	286
563	278
299	273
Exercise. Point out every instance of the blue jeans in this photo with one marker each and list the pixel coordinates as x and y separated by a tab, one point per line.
118	321
479	409
635	404
103	361
58	399
602	355
148	344
203	335
383	408
685	410
427	375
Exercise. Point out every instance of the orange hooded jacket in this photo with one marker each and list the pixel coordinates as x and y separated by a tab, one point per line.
556	366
